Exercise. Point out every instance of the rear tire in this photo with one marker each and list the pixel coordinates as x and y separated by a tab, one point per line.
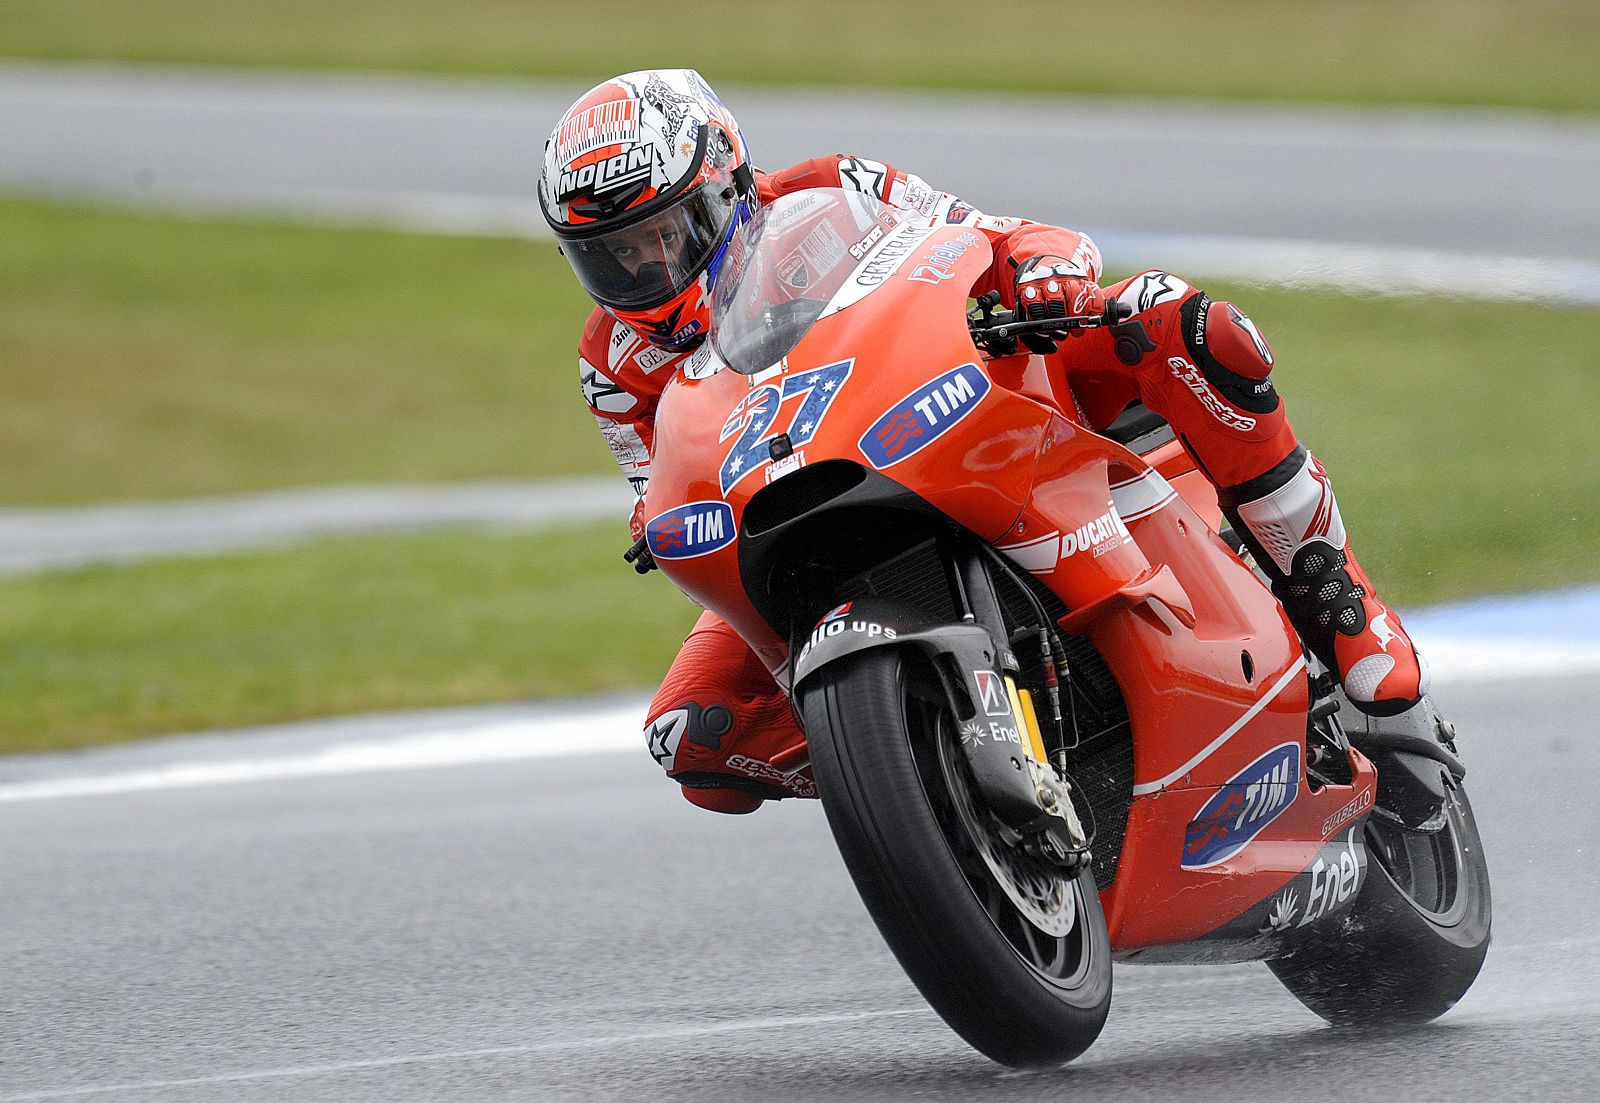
1011	952
1417	934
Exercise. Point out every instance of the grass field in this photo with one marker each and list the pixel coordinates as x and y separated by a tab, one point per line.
336	626
1537	53
157	356
161	357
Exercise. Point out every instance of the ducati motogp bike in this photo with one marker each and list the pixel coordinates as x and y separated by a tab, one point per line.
1055	716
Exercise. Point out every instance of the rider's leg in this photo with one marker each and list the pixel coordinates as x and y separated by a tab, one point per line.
717	721
1205	367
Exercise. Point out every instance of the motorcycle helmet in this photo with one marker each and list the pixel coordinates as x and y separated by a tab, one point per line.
646	178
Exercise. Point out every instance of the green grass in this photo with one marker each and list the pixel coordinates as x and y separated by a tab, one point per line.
151	356
110	653
1456	433
1537	53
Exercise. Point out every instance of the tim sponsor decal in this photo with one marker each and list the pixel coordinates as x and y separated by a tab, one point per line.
924	415
696	529
1243	808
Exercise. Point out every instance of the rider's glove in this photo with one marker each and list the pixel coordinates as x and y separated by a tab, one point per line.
636	520
1053	287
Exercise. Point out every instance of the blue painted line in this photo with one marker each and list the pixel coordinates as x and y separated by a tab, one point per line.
1562	618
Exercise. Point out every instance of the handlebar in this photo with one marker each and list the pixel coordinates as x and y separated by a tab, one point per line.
639	555
995	330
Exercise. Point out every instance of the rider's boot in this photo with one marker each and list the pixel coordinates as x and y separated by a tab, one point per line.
1290	521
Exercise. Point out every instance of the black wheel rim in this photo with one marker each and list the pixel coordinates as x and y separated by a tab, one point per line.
1037	908
1430	868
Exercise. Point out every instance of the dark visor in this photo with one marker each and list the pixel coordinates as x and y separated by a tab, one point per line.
646	263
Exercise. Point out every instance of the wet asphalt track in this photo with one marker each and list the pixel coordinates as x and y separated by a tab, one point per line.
571	929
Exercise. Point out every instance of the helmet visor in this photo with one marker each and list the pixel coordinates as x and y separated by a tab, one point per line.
645	263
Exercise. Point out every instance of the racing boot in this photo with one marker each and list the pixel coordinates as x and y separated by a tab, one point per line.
1290	520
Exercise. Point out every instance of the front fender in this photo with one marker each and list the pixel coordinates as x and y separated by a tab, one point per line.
967	663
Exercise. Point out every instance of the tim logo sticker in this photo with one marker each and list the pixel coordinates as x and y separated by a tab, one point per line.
924	415
698	528
1242	808
992	693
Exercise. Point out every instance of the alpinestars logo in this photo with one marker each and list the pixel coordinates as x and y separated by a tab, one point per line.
864	176
1190	376
1243	321
1153	289
603	393
664	735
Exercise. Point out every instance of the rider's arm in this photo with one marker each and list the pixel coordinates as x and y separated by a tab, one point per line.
1015	240
621	379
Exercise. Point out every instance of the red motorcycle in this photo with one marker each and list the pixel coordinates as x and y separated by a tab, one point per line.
1054	715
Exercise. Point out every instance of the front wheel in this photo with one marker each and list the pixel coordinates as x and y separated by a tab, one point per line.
1417	933
1012	952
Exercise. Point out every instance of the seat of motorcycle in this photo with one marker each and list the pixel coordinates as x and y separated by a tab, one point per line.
1139	429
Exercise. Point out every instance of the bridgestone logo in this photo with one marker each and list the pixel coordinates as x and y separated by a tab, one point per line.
608	175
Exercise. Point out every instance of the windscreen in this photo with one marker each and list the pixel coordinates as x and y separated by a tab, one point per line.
783	268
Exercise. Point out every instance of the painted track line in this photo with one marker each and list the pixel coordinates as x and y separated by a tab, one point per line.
617	1041
443	738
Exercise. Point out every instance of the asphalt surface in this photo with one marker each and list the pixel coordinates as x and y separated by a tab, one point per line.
569	928
73	536
1142	175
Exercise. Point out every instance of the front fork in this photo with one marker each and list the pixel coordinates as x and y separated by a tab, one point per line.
1055	833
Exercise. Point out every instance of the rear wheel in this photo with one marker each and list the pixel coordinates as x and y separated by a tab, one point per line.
1010	950
1416	935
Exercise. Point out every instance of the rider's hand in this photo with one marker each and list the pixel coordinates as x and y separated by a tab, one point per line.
1053	287
636	520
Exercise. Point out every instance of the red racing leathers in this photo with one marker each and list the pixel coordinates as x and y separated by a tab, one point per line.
719	720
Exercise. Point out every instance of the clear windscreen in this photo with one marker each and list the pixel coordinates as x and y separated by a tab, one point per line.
783	268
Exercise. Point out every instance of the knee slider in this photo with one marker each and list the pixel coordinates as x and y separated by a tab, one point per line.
1230	352
702	727
1319	589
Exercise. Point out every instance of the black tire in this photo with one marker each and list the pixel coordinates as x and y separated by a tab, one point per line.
1416	936
883	748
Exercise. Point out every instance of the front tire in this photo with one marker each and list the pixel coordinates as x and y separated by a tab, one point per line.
1417	933
1010	951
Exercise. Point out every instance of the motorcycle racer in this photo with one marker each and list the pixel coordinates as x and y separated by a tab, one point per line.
647	178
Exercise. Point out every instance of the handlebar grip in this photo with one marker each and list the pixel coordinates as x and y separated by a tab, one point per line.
639	555
1116	313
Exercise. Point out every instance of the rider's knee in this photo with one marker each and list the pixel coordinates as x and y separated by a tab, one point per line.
1230	352
722	760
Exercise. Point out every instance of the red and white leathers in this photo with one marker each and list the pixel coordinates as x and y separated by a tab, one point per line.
720	725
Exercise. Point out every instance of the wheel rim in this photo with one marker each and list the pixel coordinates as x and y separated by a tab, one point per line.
1429	868
1038	909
